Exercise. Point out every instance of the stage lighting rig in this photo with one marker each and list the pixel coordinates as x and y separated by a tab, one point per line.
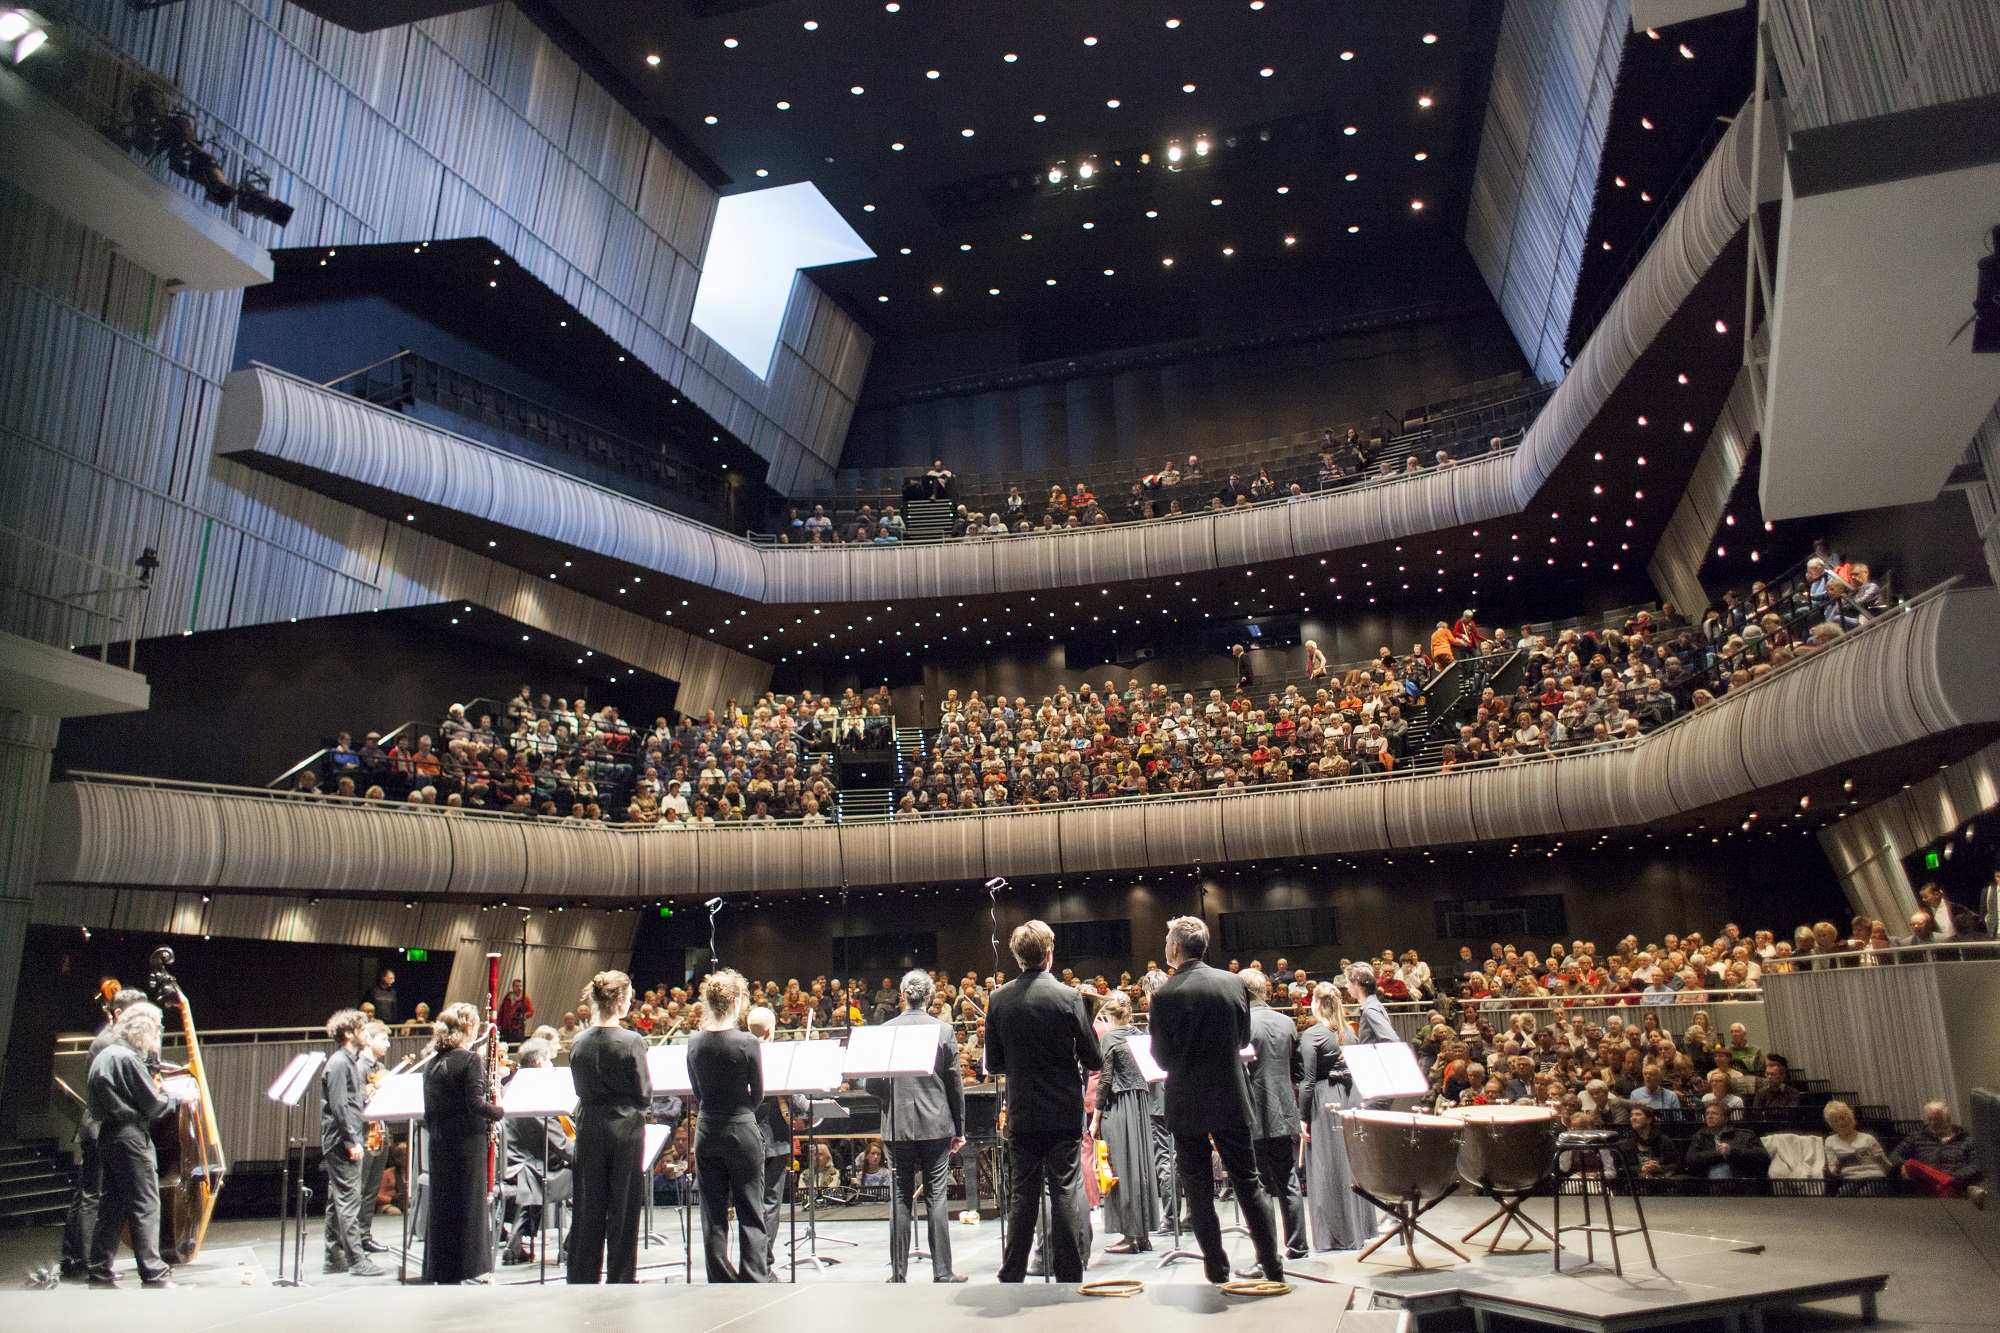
154	126
22	33
253	196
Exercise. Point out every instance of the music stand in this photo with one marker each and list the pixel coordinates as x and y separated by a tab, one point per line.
667	1069
288	1089
819	1109
401	1097
1141	1046
893	1049
654	1141
540	1093
1384	1071
800	1066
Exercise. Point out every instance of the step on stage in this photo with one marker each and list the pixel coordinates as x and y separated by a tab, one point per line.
1699	1279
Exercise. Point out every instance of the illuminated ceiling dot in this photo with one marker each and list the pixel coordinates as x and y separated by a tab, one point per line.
966	133
812	25
761	171
1168	262
992	291
881	298
729	42
1423	157
1352	230
1284	189
652	60
895	148
1425	100
893	7
1027	236
1354	175
784	106
1347	55
1228	249
708	120
868	208
906	249
1215	203
1291	240
930	74
857	90
1416	205
1090	41
1430	39
1039	118
965	247
1112	103
1151	213
937	291
1351	129
1109	271
1686	52
1049	282
1266	72
1645	123
1187	87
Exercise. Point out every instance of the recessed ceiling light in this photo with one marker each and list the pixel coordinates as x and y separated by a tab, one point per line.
893	7
1187	87
1173	23
1049	281
1109	271
1228	249
1168	262
1152	212
762	171
1423	157
729	42
1645	122
1686	52
881	298
1430	39
1256	4
1266	72
930	74
1352	230
1425	100
1010	57
812	25
1291	240
652	60
965	247
857	90
1090	41
1039	118
992	291
1347	55
1027	236
906	249
868	208
939	291
895	148
784	106
1088	225
1352	129
1353	176
708	120
1112	103
966	133
1215	203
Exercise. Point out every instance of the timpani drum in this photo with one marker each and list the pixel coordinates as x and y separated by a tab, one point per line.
1506	1149
1402	1154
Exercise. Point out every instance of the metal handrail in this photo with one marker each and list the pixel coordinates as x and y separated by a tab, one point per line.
119	586
292	773
1937	951
1728	700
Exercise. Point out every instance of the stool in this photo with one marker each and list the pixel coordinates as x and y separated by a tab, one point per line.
1602	1145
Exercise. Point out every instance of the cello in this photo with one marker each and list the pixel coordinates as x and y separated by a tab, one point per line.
188	1143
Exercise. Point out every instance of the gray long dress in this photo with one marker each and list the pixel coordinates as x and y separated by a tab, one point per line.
1341	1219
1125	1123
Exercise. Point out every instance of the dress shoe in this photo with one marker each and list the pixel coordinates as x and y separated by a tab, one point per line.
366	1268
1978	1195
370	1245
161	1284
950	1277
104	1283
1295	1254
333	1268
1124	1247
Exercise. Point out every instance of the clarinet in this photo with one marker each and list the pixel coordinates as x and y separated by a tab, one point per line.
493	1069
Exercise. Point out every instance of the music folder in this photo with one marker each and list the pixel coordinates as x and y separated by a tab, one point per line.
397	1097
1385	1069
894	1048
802	1066
656	1137
539	1092
291	1085
667	1067
1141	1046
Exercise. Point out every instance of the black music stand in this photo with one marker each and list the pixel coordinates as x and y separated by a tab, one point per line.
802	1067
657	1137
288	1089
538	1093
401	1097
818	1110
667	1070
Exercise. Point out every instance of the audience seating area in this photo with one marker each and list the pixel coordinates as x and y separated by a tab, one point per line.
938	504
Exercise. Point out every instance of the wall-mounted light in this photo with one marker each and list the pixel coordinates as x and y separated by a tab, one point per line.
22	33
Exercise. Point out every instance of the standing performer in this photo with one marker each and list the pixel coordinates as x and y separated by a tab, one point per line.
613	1091
923	1123
1201	1019
1124	1123
458	1112
537	1163
1371	1019
728	1077
1341	1219
775	1118
1038	1035
125	1102
343	1138
81	1219
1274	1108
378	1145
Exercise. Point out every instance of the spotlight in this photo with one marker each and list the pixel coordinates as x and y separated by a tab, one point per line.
1058	173
253	196
22	33
1202	145
155	128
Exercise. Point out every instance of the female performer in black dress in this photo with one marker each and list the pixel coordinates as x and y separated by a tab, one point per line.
613	1091
458	1112
727	1071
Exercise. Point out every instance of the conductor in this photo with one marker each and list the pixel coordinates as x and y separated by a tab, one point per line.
923	1122
1201	1020
1038	1035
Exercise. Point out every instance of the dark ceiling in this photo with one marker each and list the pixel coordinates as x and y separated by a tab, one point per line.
843	95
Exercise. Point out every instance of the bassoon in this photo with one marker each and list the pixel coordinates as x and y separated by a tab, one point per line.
493	1069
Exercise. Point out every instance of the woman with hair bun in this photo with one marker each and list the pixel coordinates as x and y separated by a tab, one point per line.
457	1111
613	1090
727	1070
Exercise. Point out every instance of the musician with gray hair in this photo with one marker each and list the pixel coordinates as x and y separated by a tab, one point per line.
81	1219
125	1102
923	1124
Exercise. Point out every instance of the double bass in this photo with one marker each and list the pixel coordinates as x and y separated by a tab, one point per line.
188	1143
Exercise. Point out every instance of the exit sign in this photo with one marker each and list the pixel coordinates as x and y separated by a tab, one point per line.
1930	860
417	955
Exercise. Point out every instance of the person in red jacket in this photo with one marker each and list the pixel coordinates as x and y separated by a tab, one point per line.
515	1011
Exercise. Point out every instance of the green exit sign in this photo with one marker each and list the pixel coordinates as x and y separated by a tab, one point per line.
1930	860
666	910
417	955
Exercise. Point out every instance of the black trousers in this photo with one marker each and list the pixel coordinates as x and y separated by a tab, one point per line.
131	1179
729	1168
373	1164
1044	1163
343	1209
81	1219
774	1197
1239	1159
1277	1170
932	1159
608	1190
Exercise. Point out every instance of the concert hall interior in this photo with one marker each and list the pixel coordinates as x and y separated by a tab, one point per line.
1300	626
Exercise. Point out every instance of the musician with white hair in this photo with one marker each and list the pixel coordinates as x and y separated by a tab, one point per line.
124	1101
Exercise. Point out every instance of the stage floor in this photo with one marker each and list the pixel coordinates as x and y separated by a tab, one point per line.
1943	1258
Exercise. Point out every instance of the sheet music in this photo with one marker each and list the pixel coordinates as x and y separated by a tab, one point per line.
1141	1046
667	1067
898	1048
397	1097
1385	1069
802	1066
655	1143
544	1091
291	1084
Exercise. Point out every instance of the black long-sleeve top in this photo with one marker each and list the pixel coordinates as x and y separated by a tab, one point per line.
727	1072
609	1068
122	1092
344	1091
455	1100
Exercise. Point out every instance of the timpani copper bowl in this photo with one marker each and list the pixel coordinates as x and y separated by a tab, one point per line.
1403	1163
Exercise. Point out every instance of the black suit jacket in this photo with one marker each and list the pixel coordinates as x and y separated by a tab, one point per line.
1276	1072
916	1107
1038	1034
1201	1019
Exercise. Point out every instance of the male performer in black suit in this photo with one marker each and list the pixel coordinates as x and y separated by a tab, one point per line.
776	1115
1276	1071
1038	1035
81	1219
923	1124
125	1103
538	1165
1201	1020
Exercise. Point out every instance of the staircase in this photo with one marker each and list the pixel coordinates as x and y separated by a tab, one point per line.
913	750
849	806
927	520
35	1182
